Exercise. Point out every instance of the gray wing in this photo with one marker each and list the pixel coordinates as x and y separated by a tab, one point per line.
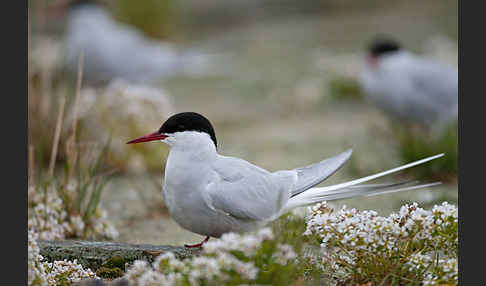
423	90
248	192
434	90
309	176
438	82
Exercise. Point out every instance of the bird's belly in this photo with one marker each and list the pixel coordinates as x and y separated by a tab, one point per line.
193	214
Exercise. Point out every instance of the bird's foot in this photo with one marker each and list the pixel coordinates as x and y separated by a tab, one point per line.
197	245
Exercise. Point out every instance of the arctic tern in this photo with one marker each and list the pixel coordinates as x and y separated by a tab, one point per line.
115	50
211	194
410	88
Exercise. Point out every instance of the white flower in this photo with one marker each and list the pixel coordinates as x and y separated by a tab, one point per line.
284	254
48	273
48	218
217	263
345	234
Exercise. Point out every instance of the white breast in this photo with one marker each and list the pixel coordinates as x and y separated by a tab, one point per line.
183	190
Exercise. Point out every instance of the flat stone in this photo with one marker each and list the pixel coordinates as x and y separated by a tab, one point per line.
94	254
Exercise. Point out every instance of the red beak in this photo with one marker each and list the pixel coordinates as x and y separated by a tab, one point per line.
372	61
148	137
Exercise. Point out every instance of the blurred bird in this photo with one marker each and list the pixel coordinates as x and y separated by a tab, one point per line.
410	88
211	194
116	50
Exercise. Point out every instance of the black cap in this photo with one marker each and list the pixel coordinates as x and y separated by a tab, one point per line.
383	45
188	121
80	3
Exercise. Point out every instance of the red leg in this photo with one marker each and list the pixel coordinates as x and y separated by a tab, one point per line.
198	244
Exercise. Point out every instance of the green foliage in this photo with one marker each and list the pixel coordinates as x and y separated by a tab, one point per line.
415	144
345	88
289	229
115	261
110	273
89	184
156	18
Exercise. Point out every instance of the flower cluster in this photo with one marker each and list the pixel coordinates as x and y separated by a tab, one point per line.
36	274
48	217
233	259
42	273
234	242
360	242
45	54
436	229
439	272
445	271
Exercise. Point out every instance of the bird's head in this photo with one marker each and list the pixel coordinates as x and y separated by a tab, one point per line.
380	47
185	130
59	9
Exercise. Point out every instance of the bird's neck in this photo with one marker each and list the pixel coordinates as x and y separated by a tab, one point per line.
87	14
193	148
193	154
183	163
192	143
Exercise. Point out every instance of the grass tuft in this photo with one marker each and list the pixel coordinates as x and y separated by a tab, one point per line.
155	18
414	144
345	88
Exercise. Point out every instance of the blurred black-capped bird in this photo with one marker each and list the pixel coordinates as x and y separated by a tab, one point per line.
408	87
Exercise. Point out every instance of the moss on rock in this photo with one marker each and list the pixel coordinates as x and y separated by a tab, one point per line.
110	255
109	273
115	262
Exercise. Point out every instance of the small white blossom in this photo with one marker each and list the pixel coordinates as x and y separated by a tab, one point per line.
47	216
349	237
41	272
217	264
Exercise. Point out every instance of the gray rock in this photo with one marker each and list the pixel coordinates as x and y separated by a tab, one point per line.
98	282
94	254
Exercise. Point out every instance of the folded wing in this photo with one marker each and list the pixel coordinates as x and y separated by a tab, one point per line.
248	192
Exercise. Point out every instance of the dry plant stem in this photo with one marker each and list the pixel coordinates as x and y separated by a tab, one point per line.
46	89
29	35
78	91
71	146
45	103
57	134
31	165
29	68
40	14
28	32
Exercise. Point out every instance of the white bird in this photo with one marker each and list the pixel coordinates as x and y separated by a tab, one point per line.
115	50
211	194
410	88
